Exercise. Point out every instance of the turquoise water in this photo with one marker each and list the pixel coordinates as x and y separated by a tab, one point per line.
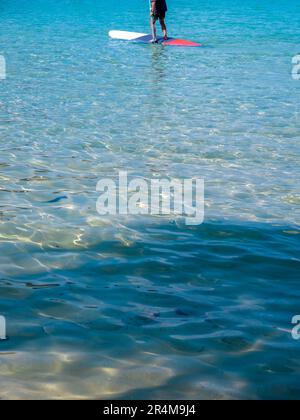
111	307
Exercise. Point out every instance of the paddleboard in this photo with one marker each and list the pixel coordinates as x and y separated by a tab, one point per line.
147	39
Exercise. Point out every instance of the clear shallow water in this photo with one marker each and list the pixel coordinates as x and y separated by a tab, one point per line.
145	308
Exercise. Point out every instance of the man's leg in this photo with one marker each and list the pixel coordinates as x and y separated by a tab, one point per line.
153	21
163	27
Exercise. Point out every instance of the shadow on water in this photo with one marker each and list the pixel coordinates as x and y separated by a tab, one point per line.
177	312
159	64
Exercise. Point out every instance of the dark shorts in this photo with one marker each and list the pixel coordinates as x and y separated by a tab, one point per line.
159	15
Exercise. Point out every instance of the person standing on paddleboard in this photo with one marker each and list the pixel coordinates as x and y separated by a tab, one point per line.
158	12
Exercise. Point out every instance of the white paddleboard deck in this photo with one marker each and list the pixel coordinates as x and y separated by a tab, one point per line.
148	39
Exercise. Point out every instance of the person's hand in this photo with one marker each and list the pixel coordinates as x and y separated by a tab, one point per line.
151	13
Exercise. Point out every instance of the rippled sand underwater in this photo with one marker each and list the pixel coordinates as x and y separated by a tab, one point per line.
142	307
152	313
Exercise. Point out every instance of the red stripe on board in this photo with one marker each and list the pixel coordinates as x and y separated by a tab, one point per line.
181	43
